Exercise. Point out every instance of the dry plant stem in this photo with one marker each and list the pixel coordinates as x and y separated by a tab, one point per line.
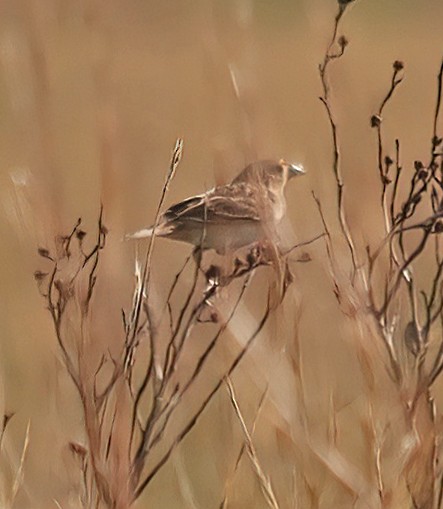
438	103
377	445
329	246
141	302
18	478
171	360
6	419
174	402
402	262
159	388
146	270
409	207
420	409
384	171
162	408
402	271
329	57
230	480
263	479
189	426
58	295
437	367
304	243
440	496
172	288
174	349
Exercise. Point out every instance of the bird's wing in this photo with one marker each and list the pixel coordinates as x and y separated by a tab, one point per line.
224	203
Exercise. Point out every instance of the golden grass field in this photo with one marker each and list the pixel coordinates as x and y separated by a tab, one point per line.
93	96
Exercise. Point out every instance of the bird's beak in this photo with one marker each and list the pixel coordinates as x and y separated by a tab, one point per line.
295	170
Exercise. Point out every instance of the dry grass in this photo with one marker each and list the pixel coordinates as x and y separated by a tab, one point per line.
147	382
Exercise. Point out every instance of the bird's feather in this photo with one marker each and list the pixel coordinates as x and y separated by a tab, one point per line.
225	203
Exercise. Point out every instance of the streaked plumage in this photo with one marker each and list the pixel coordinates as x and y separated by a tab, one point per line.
231	216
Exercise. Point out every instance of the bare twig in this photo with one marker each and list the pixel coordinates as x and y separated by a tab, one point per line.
385	163
330	56
190	425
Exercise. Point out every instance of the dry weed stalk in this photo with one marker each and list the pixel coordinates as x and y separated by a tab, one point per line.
230	479
11	487
263	479
403	315
130	400
398	339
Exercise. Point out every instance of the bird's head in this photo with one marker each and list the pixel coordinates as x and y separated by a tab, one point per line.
272	174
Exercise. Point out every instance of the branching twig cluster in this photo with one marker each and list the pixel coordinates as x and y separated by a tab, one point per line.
408	312
136	400
147	371
410	238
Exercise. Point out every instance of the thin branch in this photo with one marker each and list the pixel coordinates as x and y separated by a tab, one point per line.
438	104
330	56
199	365
146	271
190	425
377	122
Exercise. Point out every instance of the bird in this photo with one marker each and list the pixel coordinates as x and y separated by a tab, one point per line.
232	216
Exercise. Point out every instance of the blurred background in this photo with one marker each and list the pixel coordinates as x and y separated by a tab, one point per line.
93	95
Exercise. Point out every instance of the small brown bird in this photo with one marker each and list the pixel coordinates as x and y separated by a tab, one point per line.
232	216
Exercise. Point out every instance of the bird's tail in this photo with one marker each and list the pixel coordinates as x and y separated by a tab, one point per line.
141	234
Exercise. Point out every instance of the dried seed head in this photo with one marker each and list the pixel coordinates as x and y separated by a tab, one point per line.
388	161
422	174
412	338
80	234
43	252
251	258
438	227
398	65
376	121
62	246
343	42
214	317
6	418
39	275
418	165
78	449
304	257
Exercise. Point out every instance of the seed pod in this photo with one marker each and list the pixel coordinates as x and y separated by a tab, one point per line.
376	121
412	338
418	165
